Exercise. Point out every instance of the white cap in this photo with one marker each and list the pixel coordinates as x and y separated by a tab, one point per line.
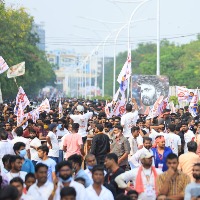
80	108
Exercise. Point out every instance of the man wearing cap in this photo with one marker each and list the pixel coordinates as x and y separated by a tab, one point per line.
52	142
143	177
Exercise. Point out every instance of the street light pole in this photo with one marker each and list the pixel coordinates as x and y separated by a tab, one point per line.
129	49
158	38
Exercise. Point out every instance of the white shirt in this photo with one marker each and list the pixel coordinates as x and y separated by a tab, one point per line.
80	190
11	175
21	139
54	152
104	195
135	143
6	147
128	121
174	142
135	159
188	136
82	120
61	133
154	134
34	154
132	175
41	193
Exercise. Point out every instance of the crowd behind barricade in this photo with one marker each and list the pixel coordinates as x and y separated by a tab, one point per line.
83	155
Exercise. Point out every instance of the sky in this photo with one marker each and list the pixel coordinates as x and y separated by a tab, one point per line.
77	24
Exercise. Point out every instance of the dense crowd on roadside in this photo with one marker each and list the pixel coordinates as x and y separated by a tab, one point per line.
80	154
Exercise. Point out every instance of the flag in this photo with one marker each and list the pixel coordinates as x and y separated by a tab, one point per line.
16	70
3	65
20	114
126	69
182	93
34	115
119	108
194	103
21	98
163	105
60	111
194	99
172	107
154	112
116	95
44	106
107	110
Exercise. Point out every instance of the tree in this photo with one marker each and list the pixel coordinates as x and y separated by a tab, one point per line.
17	44
181	63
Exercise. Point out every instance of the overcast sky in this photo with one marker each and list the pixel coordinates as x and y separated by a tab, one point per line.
66	28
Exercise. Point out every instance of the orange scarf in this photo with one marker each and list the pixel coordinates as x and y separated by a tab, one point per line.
139	186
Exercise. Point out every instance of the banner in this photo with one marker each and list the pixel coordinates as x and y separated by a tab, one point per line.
116	95
119	108
44	106
182	93
3	65
146	89
21	98
16	70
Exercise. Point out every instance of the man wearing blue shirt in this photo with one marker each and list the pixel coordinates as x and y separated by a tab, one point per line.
160	152
20	150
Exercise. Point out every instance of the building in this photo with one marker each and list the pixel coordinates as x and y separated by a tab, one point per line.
39	30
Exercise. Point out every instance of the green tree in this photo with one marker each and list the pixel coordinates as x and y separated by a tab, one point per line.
17	44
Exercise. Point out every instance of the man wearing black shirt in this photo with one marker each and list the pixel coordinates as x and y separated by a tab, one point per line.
100	145
111	163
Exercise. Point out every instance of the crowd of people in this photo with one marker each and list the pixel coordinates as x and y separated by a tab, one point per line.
80	154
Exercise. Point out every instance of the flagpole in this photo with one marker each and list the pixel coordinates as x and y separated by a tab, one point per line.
16	82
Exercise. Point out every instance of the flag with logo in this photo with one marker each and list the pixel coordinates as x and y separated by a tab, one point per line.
60	111
44	106
119	108
34	115
154	112
21	98
126	69
3	65
16	70
20	114
182	93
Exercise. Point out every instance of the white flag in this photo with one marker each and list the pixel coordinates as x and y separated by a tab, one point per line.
60	111
116	95
119	108
3	65
182	93
154	112
44	106
193	103
21	98
126	69
20	114
16	70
